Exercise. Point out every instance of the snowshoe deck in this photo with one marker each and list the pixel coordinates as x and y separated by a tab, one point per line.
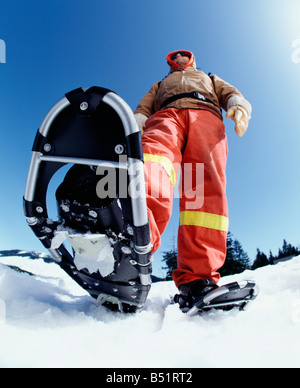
226	297
101	202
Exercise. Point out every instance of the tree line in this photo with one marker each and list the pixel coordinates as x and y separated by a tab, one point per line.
237	260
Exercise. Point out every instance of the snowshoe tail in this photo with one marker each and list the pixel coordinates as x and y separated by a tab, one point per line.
101	201
226	297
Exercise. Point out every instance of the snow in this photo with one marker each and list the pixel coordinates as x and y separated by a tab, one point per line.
47	320
92	251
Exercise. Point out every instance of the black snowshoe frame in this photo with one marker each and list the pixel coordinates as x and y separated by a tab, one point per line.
94	128
236	294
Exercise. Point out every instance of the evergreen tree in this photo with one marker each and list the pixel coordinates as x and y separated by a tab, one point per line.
260	261
237	259
170	259
287	250
240	255
271	258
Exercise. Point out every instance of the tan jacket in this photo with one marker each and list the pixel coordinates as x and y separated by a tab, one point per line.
221	93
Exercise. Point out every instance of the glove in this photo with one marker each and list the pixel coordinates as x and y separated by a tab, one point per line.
140	119
241	118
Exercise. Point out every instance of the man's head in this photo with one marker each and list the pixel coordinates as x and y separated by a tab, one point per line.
180	59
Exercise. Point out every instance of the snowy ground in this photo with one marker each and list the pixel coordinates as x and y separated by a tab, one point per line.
47	320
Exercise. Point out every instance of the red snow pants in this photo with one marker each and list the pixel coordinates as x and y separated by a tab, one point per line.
195	141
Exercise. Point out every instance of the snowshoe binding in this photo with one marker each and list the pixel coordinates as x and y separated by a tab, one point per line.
100	235
203	295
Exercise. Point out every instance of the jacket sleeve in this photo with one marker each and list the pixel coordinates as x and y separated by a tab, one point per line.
229	96
146	105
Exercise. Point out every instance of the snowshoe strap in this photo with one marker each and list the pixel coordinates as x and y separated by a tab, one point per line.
87	101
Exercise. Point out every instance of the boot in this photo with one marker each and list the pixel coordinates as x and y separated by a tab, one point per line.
191	292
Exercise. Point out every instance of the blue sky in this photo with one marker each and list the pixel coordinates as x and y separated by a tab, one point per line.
55	46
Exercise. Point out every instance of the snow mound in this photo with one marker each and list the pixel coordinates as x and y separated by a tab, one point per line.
47	320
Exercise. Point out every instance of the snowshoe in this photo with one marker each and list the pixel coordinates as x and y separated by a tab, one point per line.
204	295
100	235
193	291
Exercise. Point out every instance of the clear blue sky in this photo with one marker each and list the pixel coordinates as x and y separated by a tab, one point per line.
55	46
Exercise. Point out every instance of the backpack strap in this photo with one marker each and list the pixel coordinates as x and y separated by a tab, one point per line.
196	95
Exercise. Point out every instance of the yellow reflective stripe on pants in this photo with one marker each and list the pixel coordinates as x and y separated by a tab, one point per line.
206	220
165	163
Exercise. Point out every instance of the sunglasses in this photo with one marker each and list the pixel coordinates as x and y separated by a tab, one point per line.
179	52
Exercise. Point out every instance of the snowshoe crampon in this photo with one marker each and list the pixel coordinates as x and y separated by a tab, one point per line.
236	294
102	213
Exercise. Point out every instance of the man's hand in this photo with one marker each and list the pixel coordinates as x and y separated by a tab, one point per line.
140	119
240	116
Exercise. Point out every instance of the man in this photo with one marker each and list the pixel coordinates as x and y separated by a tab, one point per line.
183	127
